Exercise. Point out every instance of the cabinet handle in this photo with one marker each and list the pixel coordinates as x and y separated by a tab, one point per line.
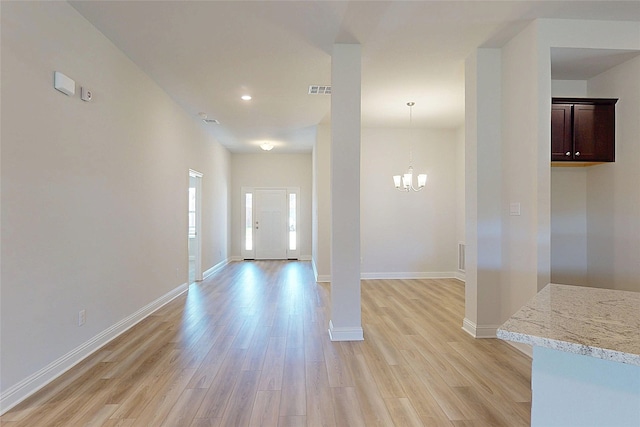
568	153
577	154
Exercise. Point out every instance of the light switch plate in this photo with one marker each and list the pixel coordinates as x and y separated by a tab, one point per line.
85	94
514	209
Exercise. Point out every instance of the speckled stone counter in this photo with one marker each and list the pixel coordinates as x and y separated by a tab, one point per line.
593	322
586	356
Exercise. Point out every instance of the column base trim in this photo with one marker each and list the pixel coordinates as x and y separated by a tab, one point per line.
479	331
345	334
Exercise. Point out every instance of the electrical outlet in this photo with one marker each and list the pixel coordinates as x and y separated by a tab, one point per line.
82	317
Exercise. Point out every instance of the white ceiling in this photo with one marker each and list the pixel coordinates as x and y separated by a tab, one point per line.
583	64
206	54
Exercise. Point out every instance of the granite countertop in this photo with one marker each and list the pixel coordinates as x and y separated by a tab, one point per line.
594	322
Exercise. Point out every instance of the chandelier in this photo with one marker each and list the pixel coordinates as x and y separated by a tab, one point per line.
405	182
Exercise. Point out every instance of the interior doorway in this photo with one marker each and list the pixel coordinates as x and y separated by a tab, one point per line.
195	225
270	223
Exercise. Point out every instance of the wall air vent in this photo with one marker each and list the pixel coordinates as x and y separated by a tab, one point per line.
319	90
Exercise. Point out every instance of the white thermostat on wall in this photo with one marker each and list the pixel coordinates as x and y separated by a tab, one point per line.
64	84
85	94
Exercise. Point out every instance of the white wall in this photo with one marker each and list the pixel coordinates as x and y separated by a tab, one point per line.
322	208
94	195
269	169
569	208
568	88
526	170
525	141
596	210
613	202
215	164
460	187
597	247
409	234
569	225
402	235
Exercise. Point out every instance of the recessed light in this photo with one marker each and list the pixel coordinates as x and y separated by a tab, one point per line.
246	97
266	146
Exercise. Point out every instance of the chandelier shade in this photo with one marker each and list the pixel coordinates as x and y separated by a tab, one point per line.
405	182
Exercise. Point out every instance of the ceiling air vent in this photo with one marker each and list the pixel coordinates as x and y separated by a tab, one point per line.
211	121
319	90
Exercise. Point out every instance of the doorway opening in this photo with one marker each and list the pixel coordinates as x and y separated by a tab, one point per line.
195	225
270	223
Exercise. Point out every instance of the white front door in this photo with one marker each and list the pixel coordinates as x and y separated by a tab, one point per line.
270	222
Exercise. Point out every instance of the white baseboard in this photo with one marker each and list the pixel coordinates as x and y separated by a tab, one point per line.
461	275
236	258
409	275
322	278
469	327
304	258
215	268
479	331
25	388
345	334
396	276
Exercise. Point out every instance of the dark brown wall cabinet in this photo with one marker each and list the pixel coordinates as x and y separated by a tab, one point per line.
583	129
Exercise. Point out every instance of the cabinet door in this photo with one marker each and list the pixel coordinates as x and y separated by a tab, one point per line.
594	133
561	132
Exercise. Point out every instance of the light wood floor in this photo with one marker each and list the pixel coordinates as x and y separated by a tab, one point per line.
249	347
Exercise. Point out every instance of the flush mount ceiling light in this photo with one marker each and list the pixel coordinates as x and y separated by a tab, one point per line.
405	182
246	97
266	146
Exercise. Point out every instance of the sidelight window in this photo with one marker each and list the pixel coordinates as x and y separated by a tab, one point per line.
292	222
248	232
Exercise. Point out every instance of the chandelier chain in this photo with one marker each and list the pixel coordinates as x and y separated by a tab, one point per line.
410	104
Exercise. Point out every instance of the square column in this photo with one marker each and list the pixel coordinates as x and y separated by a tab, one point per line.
345	323
483	187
